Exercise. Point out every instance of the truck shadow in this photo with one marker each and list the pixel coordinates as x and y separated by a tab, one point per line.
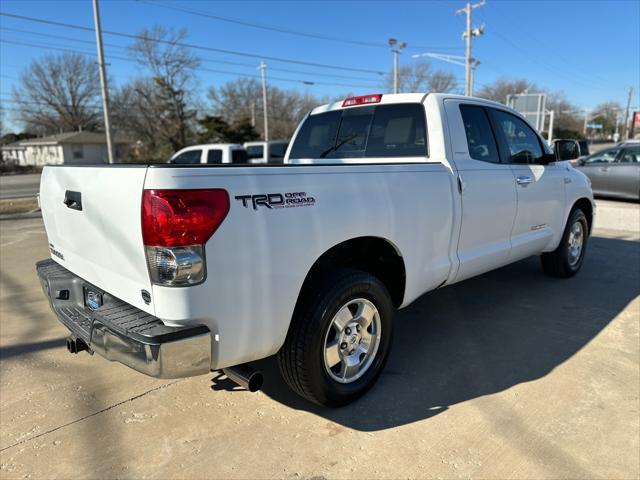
484	336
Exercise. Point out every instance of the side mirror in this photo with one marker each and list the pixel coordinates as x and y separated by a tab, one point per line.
566	149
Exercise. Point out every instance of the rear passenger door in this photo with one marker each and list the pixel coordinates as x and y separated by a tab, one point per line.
487	190
539	187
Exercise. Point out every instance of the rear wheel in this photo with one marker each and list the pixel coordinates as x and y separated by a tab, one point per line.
566	260
339	338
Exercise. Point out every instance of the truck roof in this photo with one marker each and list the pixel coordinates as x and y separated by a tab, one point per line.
214	145
389	98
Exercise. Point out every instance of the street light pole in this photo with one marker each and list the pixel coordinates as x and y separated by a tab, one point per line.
396	49
626	114
263	71
103	82
455	59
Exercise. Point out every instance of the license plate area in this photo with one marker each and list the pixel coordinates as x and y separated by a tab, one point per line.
92	298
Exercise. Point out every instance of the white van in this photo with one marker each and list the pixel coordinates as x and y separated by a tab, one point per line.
212	153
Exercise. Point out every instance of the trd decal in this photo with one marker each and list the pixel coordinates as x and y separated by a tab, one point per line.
276	200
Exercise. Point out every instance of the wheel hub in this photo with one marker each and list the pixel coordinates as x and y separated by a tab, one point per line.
352	340
575	243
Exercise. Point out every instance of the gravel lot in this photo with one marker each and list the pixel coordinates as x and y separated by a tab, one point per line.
509	375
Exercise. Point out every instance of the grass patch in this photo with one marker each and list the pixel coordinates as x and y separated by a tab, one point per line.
18	205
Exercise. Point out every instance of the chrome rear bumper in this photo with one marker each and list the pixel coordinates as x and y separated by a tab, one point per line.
121	332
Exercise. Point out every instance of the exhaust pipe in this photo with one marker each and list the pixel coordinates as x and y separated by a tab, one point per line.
75	345
245	375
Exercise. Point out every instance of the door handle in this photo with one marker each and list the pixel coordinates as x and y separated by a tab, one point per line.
604	169
73	200
523	181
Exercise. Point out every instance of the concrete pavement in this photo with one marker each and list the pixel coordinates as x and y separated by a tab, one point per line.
19	186
509	375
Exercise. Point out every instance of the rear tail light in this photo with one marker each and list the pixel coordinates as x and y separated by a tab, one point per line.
175	226
363	100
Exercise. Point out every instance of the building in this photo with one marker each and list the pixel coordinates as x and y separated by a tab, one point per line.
70	148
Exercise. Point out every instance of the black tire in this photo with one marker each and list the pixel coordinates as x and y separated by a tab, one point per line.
301	359
557	263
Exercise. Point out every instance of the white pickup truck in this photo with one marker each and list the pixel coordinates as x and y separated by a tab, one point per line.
176	270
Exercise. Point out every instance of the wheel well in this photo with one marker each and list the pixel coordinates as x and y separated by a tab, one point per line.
585	205
370	254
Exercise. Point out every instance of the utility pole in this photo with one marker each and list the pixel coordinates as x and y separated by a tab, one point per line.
103	83
396	49
263	71
626	114
586	121
253	112
468	35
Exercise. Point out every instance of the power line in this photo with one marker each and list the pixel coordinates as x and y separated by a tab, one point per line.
279	29
193	46
221	72
204	59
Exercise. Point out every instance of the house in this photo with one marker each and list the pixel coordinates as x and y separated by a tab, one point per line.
70	148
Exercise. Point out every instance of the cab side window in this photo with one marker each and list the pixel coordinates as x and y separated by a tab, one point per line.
606	156
188	157
631	155
480	139
522	142
214	156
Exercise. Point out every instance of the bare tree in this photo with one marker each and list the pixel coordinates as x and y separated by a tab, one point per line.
165	99
442	82
59	93
420	77
242	99
567	118
501	88
609	110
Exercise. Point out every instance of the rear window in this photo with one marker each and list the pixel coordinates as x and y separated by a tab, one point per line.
255	151
239	156
397	130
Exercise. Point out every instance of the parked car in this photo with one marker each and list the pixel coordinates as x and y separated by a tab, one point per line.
175	270
267	152
628	143
212	153
614	172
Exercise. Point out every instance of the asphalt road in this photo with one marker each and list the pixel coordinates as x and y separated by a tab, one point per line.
509	375
19	186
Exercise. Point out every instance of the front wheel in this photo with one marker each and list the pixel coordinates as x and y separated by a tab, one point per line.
566	260
339	338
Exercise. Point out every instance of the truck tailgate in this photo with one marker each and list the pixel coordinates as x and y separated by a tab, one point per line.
97	233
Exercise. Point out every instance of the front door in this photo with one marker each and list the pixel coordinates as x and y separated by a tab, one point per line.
597	167
539	188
